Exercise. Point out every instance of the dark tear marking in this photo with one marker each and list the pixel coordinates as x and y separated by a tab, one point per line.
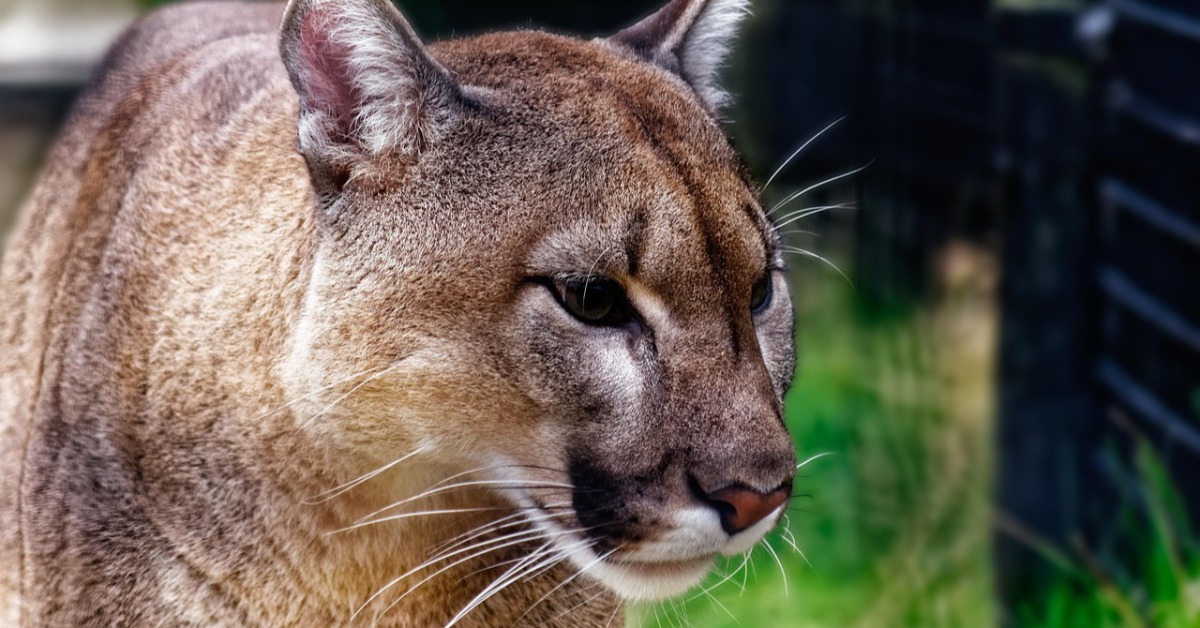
635	241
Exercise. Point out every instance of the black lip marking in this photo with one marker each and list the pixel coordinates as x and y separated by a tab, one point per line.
600	507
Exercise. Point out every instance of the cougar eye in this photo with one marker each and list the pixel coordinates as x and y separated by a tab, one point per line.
760	296
594	300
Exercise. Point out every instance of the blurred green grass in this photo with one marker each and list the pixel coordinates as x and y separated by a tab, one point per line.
1151	582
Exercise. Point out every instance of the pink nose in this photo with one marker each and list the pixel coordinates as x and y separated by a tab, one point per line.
740	508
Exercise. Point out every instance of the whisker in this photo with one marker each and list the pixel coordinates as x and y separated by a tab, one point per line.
564	583
825	454
525	538
798	232
411	515
746	564
466	545
613	617
801	214
509	484
714	587
507	578
816	186
580	605
534	559
481	530
337	491
681	613
797	251
347	395
507	533
782	571
319	391
800	150
791	540
714	602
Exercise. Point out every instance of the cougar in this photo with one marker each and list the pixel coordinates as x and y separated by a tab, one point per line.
317	325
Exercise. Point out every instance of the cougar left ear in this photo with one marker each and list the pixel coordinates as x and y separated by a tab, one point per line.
691	38
368	86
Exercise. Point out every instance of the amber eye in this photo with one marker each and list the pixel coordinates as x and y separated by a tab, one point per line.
760	296
594	300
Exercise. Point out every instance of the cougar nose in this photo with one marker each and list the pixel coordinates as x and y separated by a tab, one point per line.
740	507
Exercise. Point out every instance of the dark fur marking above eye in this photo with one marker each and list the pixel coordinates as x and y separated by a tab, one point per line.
635	241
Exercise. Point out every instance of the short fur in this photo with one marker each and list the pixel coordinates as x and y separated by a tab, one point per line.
248	278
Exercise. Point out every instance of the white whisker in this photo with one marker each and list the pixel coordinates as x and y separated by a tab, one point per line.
564	583
480	530
580	605
714	602
710	589
317	392
510	484
782	571
815	458
347	395
805	253
337	491
507	578
801	150
801	214
411	515
815	186
508	533
613	617
745	572
524	538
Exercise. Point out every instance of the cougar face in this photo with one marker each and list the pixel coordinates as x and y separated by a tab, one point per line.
578	274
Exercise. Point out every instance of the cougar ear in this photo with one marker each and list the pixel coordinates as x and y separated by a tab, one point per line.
368	87
691	38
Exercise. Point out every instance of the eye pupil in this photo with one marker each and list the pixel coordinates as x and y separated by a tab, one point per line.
593	300
760	295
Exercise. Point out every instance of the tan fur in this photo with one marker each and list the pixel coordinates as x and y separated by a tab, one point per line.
199	337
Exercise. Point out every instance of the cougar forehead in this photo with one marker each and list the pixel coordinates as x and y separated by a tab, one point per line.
576	154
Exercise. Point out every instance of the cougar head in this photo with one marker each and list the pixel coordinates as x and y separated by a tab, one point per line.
545	264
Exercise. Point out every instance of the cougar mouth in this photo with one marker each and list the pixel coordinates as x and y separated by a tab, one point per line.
655	570
639	580
636	580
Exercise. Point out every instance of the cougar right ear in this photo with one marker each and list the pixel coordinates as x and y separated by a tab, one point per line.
691	38
368	87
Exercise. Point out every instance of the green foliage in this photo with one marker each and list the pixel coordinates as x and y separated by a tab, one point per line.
1158	587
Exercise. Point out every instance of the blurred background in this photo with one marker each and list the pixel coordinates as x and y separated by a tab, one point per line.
998	303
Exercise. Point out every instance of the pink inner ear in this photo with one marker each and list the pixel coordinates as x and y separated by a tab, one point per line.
328	78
